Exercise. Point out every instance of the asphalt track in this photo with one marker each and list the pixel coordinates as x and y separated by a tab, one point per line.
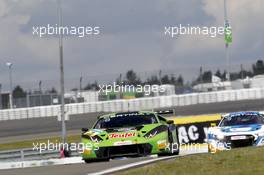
40	127
101	167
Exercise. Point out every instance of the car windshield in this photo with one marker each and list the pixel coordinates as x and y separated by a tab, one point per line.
242	120
125	121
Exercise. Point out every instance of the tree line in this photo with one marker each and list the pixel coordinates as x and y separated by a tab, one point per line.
132	78
206	76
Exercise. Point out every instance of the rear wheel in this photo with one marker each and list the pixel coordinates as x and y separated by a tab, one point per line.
88	160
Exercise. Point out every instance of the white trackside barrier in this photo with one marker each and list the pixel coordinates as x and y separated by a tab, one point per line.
134	104
38	163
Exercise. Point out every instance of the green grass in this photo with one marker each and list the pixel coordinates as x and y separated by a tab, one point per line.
243	161
29	143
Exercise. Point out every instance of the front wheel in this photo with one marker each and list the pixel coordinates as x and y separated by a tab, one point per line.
174	144
96	160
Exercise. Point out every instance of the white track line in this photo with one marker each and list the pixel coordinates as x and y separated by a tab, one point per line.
184	152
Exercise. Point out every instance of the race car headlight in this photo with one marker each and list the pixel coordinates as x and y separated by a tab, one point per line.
156	131
214	136
220	137
95	138
261	134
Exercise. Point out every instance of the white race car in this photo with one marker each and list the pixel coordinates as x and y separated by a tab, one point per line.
237	129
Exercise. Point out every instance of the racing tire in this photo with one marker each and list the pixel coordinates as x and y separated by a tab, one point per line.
172	144
177	143
96	160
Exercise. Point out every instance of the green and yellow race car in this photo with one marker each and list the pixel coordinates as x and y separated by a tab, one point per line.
127	134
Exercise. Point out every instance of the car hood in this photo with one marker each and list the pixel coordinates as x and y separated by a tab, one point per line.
120	133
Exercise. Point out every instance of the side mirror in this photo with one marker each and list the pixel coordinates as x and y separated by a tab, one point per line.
170	122
85	129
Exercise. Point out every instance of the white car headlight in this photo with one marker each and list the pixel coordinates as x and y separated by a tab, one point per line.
220	136
261	134
217	136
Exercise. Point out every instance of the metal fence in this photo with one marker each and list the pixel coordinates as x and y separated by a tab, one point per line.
134	104
33	100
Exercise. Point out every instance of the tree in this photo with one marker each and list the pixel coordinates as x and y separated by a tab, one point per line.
18	92
74	89
52	91
93	86
119	79
207	77
234	76
153	80
131	78
180	80
165	80
258	68
218	74
243	74
173	79
223	77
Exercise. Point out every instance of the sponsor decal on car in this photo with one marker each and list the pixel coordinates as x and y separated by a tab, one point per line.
87	151
162	144
127	142
123	135
240	129
126	130
238	137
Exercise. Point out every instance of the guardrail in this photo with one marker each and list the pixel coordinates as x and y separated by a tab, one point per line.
134	104
30	154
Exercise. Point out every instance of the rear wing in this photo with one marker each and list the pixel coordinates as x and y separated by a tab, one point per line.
225	115
242	113
171	111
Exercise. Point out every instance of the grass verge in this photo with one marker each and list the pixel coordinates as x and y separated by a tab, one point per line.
29	143
242	161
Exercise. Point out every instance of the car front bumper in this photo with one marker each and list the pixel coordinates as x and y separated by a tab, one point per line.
234	141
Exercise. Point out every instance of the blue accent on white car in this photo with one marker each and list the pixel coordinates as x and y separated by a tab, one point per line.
241	128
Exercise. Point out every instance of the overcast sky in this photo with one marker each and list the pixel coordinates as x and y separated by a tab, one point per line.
131	37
